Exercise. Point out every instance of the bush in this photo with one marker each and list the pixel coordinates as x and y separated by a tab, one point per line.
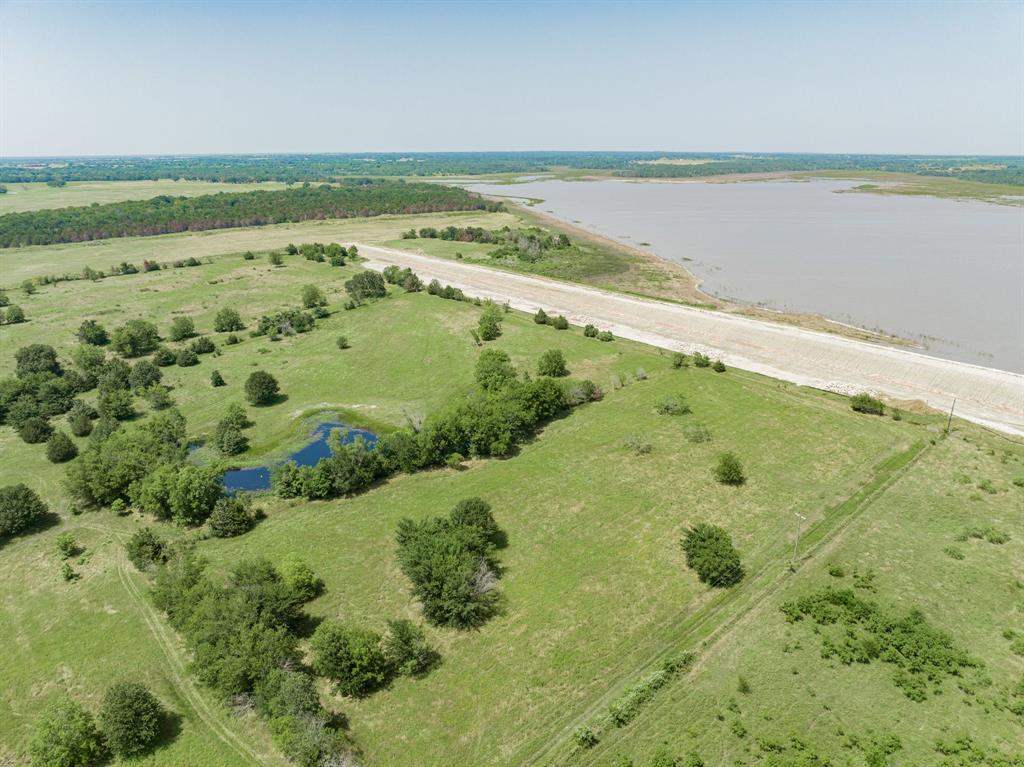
865	403
701	360
34	430
146	549
275	259
130	719
407	649
248	256
231	517
227	320
15	315
60	448
352	657
66	736
679	360
605	335
301	579
729	470
342	342
159	397
560	323
312	297
494	370
135	338
67	546
709	552
718	366
163	357
182	328
674	405
143	375
541	317
552	363
216	379
203	345
368	284
187	357
36	358
80	423
91	332
590	331
489	326
116	404
261	388
584	737
231	340
638	444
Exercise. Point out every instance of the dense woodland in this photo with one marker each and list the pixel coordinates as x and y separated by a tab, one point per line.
328	167
165	214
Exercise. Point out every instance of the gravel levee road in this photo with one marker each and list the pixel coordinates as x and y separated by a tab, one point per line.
993	398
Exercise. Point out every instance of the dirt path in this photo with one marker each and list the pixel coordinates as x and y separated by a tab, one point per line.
990	397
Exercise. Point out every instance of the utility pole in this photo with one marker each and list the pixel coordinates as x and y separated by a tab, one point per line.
950	419
796	542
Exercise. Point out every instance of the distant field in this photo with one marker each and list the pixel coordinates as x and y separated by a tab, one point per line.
596	586
881	182
22	197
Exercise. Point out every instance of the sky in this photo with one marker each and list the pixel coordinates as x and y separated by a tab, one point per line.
81	78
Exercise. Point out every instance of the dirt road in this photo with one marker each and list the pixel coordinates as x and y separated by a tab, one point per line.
990	397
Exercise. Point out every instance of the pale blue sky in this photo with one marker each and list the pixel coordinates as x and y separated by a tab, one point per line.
111	78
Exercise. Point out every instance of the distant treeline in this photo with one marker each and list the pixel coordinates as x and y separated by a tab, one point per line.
162	215
331	167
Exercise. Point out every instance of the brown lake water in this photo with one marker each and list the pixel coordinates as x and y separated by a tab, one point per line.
946	274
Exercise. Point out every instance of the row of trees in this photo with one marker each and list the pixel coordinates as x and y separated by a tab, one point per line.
165	214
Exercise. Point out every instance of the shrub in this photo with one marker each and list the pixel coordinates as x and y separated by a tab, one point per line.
701	360
560	323
605	335
261	388
80	423
203	345
228	319
163	357
67	546
130	719
494	370
584	737
407	649
66	736
638	444
144	374
312	297
679	360
67	572
146	549
352	657
116	404
865	403
91	332
182	328
15	315
34	430
135	338
590	331
673	405
231	517
729	470
60	448
552	363
275	259
159	397
718	366
342	342
187	357
541	317
709	552
301	579
216	379
489	325
248	256
368	284
36	358
231	340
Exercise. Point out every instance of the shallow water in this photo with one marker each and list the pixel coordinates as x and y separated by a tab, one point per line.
946	274
257	478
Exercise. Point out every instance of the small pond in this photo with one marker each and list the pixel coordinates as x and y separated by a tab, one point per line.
257	478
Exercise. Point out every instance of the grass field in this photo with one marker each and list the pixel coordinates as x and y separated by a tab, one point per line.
881	182
36	196
596	588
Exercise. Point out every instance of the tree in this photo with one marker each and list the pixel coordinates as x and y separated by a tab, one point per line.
261	388
368	284
144	375
709	551
182	328
164	357
407	649
203	345
231	517
80	423
66	736
541	317
227	320
60	448
186	357
729	470
20	508
159	397
229	439
216	379
560	323
342	342
116	404
194	493
476	513
15	314
552	363
146	549
34	430
130	719
36	358
135	338
494	370
352	657
312	297
91	332
489	327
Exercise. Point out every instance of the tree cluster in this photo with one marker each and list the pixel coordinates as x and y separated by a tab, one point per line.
710	553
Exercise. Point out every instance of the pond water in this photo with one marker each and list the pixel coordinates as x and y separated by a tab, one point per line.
258	477
947	274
